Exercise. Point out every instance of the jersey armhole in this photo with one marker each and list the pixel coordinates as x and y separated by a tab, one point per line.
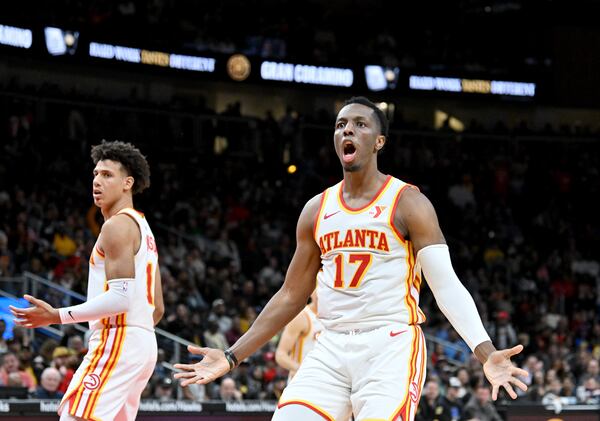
398	234
138	226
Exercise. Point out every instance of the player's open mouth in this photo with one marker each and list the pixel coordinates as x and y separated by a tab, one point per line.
96	193
349	151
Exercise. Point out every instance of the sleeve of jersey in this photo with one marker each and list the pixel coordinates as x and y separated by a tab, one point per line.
450	294
116	300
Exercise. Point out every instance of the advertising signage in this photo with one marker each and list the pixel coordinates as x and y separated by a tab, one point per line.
71	46
477	86
153	58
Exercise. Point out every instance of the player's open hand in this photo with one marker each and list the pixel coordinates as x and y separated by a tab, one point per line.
40	314
500	371
213	365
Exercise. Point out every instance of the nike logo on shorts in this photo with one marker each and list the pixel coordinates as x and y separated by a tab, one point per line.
330	215
71	315
392	333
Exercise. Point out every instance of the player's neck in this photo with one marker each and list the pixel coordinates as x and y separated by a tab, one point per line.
359	183
116	207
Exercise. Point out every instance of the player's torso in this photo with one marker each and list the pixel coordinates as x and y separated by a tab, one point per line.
369	276
146	260
306	342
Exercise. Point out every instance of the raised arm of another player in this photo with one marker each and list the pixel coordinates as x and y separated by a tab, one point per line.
283	306
120	237
416	217
159	304
295	329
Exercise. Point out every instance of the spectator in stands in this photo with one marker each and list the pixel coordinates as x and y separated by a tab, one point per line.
592	371
228	391
480	405
60	361
214	338
48	389
218	314
3	345
589	392
432	406
502	331
164	390
7	264
452	400
11	374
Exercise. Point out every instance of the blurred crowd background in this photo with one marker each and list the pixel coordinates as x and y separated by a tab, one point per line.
520	225
515	196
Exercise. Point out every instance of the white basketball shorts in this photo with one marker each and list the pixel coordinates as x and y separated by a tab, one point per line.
375	375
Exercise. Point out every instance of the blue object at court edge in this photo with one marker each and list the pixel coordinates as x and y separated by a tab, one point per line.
7	316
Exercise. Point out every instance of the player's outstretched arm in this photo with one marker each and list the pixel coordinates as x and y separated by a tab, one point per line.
283	307
119	236
417	218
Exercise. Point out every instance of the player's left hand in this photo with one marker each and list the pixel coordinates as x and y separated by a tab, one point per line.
500	371
41	314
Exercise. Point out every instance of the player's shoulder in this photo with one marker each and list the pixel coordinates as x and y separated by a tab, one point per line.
119	224
309	212
412	203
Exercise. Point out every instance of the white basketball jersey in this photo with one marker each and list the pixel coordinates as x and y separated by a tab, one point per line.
307	341
370	277
146	260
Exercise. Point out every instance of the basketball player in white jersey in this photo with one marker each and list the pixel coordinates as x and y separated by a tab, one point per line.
373	236
299	337
124	300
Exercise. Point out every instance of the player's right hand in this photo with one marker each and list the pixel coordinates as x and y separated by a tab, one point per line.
213	365
39	314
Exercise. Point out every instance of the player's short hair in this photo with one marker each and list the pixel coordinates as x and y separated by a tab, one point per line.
131	159
381	118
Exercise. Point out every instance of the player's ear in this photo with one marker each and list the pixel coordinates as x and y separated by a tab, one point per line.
379	143
128	182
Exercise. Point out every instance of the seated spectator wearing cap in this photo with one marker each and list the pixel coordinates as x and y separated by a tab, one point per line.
218	314
452	399
62	361
164	390
502	331
11	375
48	389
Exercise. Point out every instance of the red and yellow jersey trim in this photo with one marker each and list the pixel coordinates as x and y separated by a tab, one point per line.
395	230
343	206
90	401
416	371
309	405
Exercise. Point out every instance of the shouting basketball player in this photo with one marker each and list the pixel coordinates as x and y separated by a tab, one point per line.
124	296
373	236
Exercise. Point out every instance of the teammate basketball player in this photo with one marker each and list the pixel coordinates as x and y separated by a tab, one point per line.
124	296
299	337
373	235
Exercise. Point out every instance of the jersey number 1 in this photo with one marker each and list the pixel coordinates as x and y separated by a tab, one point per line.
363	260
150	283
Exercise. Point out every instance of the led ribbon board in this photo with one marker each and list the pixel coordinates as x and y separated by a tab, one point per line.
303	73
478	86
